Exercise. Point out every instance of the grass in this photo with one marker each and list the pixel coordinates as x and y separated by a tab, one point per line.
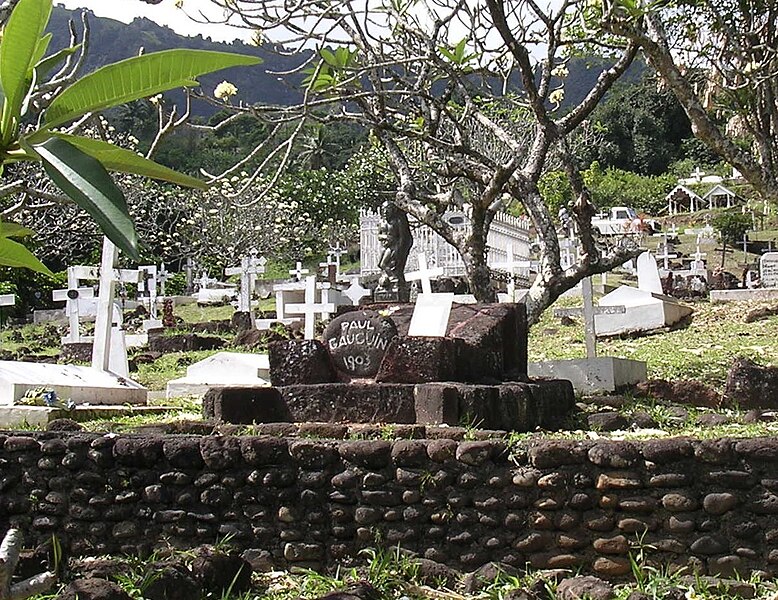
704	350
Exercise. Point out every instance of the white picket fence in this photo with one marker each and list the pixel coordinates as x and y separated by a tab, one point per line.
506	230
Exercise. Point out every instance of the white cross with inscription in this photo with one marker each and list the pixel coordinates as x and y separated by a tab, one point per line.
424	275
310	309
248	270
588	311
298	271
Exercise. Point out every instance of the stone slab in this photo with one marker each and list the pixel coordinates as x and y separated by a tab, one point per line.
295	362
645	311
82	385
592	375
54	315
511	407
419	360
760	294
244	406
223	369
40	416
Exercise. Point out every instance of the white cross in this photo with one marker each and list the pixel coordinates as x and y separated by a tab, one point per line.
190	269
355	292
248	270
331	268
337	252
205	281
697	174
424	275
298	272
310	309
588	311
147	287
108	356
510	263
75	295
666	256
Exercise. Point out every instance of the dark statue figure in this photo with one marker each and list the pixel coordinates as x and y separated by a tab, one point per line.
395	236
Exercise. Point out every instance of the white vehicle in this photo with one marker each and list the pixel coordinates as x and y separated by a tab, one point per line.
621	220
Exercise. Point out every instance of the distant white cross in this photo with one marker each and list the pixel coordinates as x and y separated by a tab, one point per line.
147	287
424	275
205	281
337	252
665	255
248	270
698	174
298	272
331	269
310	308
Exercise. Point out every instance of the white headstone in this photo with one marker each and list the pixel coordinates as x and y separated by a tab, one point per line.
648	274
310	308
222	369
7	299
430	315
424	275
768	269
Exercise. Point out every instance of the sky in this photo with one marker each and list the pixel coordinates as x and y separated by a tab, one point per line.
164	13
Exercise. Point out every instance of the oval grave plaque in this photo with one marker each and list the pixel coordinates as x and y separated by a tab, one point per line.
358	340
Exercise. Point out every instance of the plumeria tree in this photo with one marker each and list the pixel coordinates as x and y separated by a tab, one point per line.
429	80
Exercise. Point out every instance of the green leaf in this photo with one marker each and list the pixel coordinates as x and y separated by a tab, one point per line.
90	186
115	158
329	57
138	77
48	63
40	49
21	37
11	229
14	254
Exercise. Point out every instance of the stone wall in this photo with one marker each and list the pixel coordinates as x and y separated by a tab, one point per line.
712	504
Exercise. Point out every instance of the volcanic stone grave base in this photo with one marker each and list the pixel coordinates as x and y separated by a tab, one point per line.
508	406
592	375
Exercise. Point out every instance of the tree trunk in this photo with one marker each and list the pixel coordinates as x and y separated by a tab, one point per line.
9	557
474	256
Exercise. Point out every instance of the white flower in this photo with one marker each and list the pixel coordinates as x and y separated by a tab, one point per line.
556	96
224	91
155	99
560	71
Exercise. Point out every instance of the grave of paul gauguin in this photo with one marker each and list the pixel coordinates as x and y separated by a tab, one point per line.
365	368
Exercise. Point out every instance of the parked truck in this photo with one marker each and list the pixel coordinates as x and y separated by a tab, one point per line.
621	220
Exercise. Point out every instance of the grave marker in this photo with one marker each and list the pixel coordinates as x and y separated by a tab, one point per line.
298	272
768	269
648	274
310	308
424	275
162	277
588	311
357	342
665	254
109	351
355	292
430	315
248	270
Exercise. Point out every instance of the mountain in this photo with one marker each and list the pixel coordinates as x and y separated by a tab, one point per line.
112	40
